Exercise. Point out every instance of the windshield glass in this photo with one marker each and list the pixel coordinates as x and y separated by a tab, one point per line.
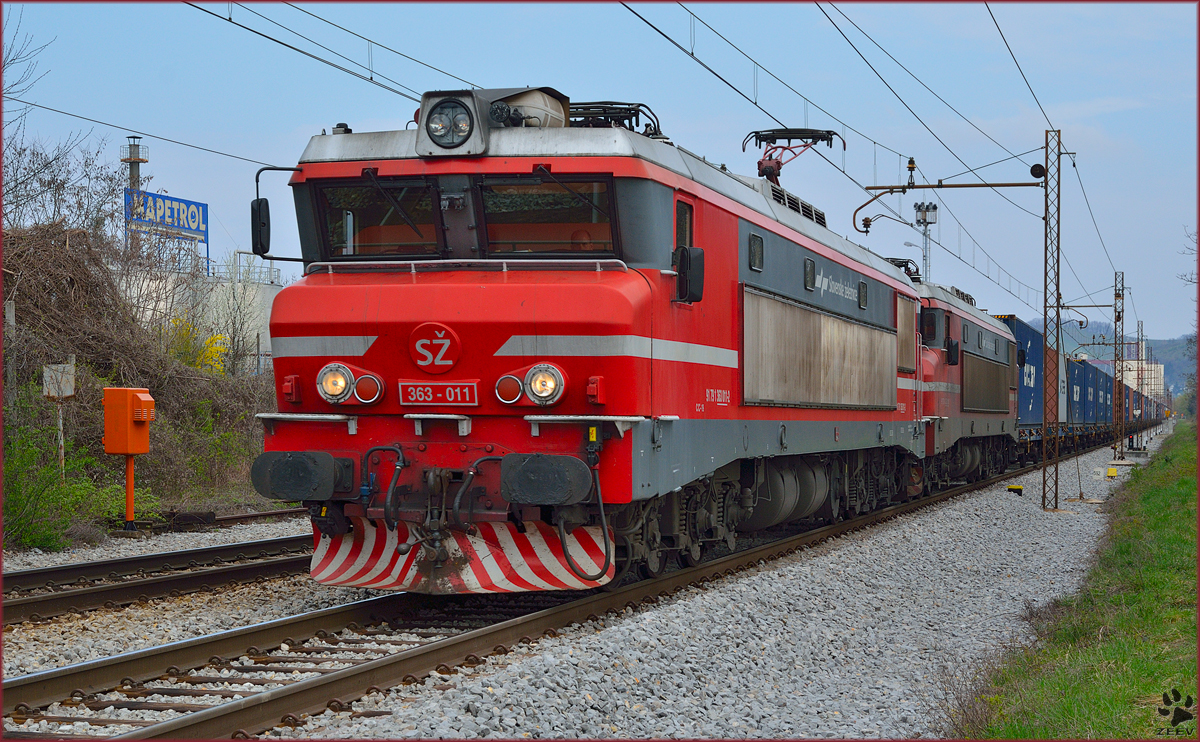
363	220
569	217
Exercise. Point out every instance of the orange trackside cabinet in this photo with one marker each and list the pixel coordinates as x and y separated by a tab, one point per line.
127	416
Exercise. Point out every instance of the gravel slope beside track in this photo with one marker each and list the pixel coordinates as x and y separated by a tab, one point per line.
70	639
846	639
115	548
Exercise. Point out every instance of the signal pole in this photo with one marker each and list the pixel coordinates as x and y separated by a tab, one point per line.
926	214
1051	324
1141	354
1119	365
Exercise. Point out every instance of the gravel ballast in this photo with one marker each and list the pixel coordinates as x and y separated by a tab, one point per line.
69	639
115	548
849	639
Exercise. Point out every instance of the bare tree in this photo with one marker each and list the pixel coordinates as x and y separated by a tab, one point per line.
20	67
35	183
1189	277
240	307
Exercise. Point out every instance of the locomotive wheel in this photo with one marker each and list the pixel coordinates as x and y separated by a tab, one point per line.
654	565
691	557
830	511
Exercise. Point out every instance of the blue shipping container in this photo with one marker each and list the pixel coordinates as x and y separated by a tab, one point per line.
1091	405
1106	406
1029	389
1076	391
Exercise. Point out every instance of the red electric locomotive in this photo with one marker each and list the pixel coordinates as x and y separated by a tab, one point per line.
536	347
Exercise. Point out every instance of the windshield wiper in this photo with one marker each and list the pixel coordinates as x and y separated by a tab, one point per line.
576	194
370	173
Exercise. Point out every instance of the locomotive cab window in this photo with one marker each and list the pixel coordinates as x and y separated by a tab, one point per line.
683	224
395	219
931	332
568	217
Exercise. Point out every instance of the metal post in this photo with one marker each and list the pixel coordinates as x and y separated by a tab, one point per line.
1119	365
925	254
129	526
1051	326
10	331
62	456
1141	387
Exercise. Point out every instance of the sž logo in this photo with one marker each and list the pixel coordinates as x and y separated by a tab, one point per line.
434	347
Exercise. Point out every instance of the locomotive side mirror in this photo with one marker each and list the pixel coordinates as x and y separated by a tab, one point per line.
1020	358
689	264
951	352
260	226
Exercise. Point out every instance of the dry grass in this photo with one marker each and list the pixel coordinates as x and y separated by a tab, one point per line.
84	295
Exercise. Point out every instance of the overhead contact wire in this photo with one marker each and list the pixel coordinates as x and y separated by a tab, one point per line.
310	55
135	131
331	51
851	178
1074	165
914	113
850	128
1018	64
381	46
934	94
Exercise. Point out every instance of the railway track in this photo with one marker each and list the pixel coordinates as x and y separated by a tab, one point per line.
185	521
330	658
35	594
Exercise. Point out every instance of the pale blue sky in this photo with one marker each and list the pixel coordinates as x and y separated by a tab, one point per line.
1119	80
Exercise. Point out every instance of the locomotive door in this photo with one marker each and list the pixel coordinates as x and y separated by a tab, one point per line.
907	345
695	358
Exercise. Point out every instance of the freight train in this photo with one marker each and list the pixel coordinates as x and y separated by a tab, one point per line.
538	345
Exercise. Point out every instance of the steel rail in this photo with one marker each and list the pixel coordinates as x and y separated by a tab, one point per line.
113	594
260	711
49	686
62	574
243	517
263	710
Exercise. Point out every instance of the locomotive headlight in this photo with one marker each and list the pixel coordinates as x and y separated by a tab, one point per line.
335	383
449	123
439	125
544	384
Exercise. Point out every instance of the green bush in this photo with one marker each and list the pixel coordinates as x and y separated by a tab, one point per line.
41	501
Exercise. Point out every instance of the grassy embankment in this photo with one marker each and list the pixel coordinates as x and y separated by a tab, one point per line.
1108	654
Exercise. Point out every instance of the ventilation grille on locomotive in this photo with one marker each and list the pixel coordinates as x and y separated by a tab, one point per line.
807	210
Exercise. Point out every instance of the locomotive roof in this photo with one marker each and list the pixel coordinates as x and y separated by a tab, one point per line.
945	295
753	193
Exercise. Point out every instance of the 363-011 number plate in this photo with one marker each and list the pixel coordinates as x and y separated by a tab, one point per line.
464	393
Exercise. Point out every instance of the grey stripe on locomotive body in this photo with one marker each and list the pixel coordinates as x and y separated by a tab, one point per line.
688	449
